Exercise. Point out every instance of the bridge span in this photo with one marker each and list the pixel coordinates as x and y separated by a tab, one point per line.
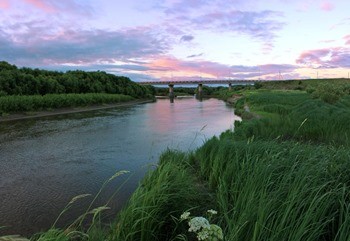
191	82
198	82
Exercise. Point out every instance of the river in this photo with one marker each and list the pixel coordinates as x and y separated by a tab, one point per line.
45	162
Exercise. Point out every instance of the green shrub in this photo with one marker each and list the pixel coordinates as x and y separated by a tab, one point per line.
328	93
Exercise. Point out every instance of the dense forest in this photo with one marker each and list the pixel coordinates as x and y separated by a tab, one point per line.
27	81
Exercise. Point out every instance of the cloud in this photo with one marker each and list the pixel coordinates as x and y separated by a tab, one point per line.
223	16
167	64
347	39
260	25
195	55
63	6
79	46
161	67
4	4
327	6
40	4
187	38
326	58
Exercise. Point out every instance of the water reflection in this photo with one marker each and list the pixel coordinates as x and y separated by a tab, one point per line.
47	161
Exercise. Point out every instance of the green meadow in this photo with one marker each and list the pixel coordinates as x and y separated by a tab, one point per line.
282	174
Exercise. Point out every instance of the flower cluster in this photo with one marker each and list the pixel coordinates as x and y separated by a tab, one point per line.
198	223
201	226
185	216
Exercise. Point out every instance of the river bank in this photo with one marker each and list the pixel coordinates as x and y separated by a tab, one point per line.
45	162
63	111
284	176
281	176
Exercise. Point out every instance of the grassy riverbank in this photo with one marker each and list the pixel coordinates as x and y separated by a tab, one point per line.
283	174
16	104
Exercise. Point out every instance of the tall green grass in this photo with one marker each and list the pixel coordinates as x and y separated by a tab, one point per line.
267	190
10	104
263	190
162	197
297	116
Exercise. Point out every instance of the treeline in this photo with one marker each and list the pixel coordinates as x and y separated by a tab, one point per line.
206	90
27	81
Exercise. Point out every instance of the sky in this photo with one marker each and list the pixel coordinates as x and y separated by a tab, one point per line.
180	39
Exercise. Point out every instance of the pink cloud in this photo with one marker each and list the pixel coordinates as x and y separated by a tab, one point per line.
184	69
327	6
41	4
347	39
326	58
165	64
35	46
312	56
4	4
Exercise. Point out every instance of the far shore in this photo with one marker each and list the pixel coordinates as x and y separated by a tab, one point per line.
176	97
70	110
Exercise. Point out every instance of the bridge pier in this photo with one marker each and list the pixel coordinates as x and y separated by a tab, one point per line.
171	93
229	86
200	91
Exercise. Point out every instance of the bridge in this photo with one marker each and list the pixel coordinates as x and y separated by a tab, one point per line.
191	82
199	83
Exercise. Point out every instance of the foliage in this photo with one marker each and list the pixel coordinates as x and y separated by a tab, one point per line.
202	228
329	93
258	85
178	91
295	115
26	81
309	85
271	190
151	211
10	104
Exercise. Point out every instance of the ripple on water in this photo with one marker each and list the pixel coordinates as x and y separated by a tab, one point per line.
45	162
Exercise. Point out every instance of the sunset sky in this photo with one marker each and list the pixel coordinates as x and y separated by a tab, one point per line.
180	39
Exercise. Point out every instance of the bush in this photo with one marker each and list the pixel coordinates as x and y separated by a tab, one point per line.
257	85
328	93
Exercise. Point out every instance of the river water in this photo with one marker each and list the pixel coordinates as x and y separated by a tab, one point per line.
46	162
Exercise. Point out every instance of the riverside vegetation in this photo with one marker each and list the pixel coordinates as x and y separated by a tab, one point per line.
26	89
282	174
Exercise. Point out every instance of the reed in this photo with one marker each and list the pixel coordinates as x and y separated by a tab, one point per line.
295	115
162	196
267	190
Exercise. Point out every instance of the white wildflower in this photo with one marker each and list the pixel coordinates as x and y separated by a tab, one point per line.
185	216
197	223
211	211
203	235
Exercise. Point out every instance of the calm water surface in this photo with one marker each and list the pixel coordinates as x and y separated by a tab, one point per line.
45	162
